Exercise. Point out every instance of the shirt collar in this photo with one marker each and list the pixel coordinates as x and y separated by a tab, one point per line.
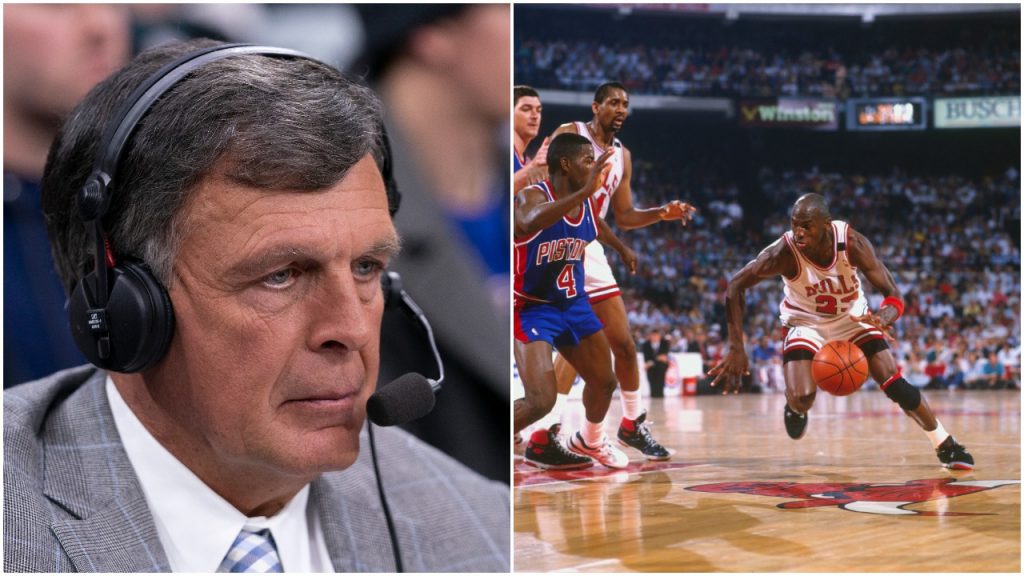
196	526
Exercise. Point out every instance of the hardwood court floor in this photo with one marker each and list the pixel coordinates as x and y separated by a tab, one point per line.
861	492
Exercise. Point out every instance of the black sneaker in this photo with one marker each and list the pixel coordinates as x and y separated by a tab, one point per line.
636	434
796	424
545	451
954	456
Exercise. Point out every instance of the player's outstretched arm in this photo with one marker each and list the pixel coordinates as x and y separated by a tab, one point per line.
534	212
628	216
862	255
608	237
773	261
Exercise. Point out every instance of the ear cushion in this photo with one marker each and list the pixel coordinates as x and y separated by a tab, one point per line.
140	320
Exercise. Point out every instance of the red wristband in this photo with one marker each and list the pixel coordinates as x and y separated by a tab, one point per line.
895	303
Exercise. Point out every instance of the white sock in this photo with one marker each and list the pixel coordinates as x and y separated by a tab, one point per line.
937	436
592	433
630	403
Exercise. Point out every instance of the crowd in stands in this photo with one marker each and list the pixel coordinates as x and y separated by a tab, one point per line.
735	71
952	244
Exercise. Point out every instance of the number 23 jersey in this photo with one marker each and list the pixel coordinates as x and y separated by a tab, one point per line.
822	294
549	264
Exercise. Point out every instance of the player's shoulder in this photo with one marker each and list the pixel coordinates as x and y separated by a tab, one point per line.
777	258
567	128
533	192
779	247
853	237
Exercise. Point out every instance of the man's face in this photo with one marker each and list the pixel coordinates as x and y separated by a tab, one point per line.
612	111
809	227
526	117
578	166
278	305
55	53
479	61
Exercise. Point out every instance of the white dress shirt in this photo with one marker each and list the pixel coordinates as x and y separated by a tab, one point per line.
196	526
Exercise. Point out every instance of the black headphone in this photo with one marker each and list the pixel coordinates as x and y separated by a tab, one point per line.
121	316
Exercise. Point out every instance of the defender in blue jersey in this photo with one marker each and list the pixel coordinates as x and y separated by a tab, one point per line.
554	221
526	115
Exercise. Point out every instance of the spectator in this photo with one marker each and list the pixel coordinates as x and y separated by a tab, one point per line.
992	372
655	349
53	55
442	72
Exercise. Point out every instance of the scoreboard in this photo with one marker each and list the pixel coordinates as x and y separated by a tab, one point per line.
886	114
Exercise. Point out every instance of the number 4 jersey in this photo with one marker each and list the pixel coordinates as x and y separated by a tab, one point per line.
549	264
821	294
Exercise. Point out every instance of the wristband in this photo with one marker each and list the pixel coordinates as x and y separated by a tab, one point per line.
895	303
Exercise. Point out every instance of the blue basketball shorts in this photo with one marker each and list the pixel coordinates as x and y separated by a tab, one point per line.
556	325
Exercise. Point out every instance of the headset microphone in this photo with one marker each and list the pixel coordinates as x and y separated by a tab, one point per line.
411	395
404	399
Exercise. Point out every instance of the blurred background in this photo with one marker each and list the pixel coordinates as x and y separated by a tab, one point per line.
905	117
443	73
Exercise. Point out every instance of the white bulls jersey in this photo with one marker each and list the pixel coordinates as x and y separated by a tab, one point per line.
817	294
600	281
603	197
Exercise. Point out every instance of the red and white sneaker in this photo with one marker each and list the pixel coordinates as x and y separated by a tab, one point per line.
604	452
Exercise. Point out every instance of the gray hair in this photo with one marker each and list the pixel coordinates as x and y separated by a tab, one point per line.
264	122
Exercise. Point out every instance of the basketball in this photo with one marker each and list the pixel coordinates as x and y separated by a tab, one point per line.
839	368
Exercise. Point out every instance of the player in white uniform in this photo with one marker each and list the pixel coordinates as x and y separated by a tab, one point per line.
610	108
819	259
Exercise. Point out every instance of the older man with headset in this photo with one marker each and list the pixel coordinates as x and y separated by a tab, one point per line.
221	217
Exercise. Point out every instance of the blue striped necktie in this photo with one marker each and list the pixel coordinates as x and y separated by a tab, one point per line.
252	552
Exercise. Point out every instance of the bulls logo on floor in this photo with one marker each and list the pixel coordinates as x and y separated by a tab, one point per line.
875	498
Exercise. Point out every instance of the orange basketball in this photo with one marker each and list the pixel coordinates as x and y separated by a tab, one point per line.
839	368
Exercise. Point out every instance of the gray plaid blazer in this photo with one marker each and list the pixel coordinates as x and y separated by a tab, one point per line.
72	501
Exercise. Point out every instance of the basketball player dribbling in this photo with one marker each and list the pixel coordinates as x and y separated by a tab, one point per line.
610	108
818	259
554	221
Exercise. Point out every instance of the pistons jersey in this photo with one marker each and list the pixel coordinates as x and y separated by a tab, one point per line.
517	161
602	198
822	294
549	264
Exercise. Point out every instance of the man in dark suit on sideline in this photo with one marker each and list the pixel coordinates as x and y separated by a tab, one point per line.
655	350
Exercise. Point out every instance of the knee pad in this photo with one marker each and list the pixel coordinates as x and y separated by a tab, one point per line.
901	392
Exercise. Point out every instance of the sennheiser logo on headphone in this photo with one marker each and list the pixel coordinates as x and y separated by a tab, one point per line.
97	320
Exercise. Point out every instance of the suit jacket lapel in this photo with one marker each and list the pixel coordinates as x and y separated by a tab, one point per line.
120	537
87	472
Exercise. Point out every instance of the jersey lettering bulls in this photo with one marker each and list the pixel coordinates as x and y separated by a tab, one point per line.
549	264
818	294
